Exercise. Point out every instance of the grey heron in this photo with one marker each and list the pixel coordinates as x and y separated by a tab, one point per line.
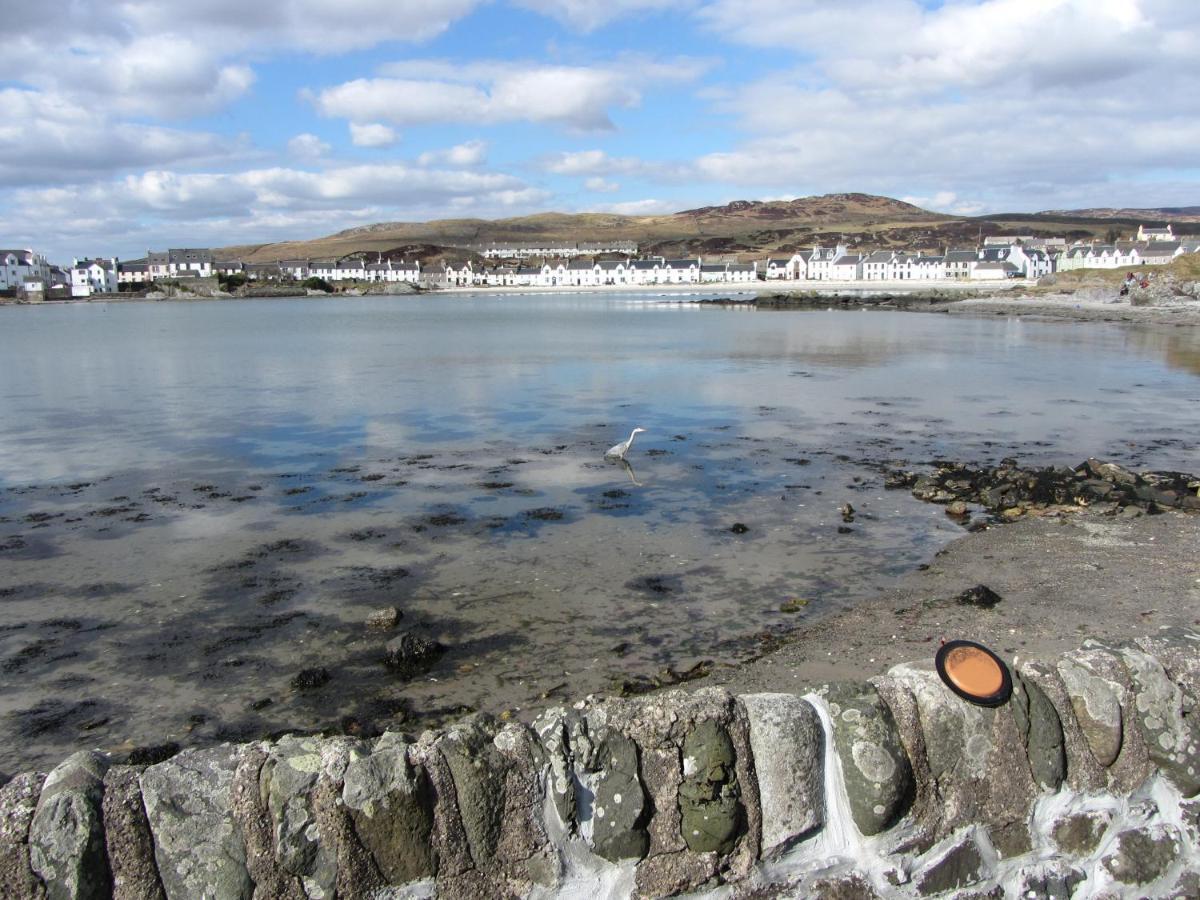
619	450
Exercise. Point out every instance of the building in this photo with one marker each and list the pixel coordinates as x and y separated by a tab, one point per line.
17	265
645	271
94	276
959	264
681	271
559	249
1159	253
1155	234
180	263
133	272
994	270
778	268
847	267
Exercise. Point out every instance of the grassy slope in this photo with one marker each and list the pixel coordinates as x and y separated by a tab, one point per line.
747	229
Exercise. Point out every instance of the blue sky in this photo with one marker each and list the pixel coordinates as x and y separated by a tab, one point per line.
213	122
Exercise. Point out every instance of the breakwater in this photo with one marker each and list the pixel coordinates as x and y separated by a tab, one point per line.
1081	785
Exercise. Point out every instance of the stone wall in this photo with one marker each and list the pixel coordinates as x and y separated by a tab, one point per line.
1080	786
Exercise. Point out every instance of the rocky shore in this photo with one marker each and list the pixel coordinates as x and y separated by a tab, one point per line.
1081	785
832	766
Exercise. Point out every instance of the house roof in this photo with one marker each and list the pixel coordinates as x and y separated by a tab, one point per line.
1161	248
611	265
644	265
581	265
714	267
680	263
997	267
879	256
960	256
848	260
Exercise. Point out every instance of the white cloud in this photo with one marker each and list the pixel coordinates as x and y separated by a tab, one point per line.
588	15
641	207
471	153
599	185
49	139
372	134
485	92
308	146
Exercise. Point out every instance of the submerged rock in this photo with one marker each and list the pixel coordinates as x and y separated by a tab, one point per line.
384	619
410	654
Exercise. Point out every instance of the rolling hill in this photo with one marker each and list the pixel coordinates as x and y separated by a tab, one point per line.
744	228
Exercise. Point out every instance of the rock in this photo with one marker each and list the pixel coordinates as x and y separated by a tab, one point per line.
711	817
478	771
252	818
975	757
794	605
1178	652
960	866
1111	472
288	782
875	767
787	743
981	596
128	840
553	728
410	654
848	887
18	801
199	850
958	510
739	528
66	836
384	619
1079	834
1142	855
308	679
149	755
1096	702
1053	880
1172	741
618	802
1041	732
847	512
391	805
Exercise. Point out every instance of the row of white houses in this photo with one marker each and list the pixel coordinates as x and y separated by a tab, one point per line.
593	273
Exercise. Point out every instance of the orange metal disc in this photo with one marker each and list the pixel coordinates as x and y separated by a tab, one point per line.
974	671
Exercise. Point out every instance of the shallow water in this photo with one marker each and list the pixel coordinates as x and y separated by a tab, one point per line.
199	500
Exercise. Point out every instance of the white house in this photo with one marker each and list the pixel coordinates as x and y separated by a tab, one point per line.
1159	253
778	268
134	271
876	265
17	265
928	268
847	267
1155	234
1101	256
682	271
613	272
741	273
994	270
553	274
959	264
93	276
645	271
820	264
180	263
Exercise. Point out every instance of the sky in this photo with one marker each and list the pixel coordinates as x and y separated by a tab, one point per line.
144	124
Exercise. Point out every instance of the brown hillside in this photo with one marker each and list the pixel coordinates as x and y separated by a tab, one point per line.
748	228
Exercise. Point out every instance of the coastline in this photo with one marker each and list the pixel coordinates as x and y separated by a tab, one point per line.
1062	575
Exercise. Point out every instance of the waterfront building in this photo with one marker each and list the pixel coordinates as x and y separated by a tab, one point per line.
1159	253
93	276
645	271
959	264
544	249
1155	234
742	273
133	271
876	265
681	271
847	267
180	263
17	265
778	268
994	270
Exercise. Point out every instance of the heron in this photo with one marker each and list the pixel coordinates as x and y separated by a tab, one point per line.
618	451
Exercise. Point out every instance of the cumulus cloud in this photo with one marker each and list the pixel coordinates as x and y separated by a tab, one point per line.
471	153
420	92
588	15
254	205
599	185
647	207
1009	98
308	146
48	139
372	134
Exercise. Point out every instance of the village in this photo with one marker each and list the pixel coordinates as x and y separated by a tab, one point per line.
27	275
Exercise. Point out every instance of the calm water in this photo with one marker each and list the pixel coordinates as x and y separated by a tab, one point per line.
199	500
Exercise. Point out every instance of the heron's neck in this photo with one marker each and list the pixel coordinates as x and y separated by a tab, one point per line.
632	435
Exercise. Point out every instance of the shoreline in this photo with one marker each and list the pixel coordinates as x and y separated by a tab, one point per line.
996	299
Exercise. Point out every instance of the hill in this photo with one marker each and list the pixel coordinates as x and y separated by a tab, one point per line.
743	228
